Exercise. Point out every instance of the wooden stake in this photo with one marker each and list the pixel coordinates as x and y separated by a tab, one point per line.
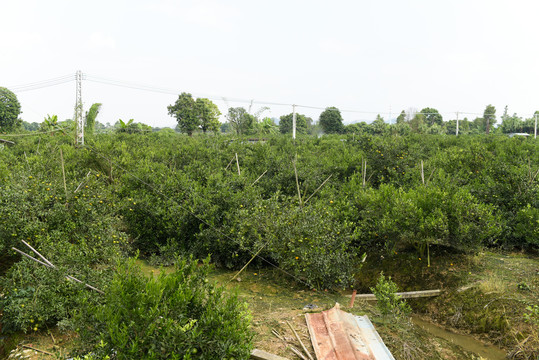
325	181
428	255
78	187
297	181
353	298
63	171
364	168
260	177
422	173
238	164
38	350
229	164
255	255
301	342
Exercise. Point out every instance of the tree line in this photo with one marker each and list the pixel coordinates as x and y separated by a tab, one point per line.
202	115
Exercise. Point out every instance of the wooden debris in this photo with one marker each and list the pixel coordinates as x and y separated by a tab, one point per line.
257	354
301	342
403	295
38	350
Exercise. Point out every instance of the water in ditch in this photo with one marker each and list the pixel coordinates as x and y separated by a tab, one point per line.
468	343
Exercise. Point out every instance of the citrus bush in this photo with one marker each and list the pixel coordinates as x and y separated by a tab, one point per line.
180	315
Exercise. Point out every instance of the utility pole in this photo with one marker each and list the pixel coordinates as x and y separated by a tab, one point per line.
457	133
294	122
79	120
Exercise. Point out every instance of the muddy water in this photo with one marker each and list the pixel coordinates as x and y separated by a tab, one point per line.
487	352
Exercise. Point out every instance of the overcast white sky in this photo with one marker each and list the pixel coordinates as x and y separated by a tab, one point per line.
371	56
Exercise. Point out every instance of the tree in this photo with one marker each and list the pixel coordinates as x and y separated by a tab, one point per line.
208	115
285	123
185	112
417	123
91	115
240	120
9	110
489	116
379	127
432	116
331	121
402	117
267	126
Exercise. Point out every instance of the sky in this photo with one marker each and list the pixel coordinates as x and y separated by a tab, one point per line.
367	56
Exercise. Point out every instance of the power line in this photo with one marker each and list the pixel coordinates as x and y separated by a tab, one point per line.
41	84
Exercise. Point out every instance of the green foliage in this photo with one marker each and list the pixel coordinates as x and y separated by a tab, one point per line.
432	116
331	121
194	114
240	120
172	316
131	127
309	242
489	117
208	115
387	301
91	115
285	123
10	108
186	113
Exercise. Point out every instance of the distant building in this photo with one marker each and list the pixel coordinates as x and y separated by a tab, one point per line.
518	134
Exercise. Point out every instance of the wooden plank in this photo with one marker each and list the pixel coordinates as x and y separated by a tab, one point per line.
404	295
263	355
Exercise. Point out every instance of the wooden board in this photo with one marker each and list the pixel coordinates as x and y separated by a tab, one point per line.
263	355
404	295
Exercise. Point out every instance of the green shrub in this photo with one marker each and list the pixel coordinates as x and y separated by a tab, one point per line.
388	302
172	316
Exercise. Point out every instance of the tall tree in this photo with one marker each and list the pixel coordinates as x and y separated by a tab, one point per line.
208	115
285	123
240	120
331	121
379	127
489	116
91	115
432	116
10	108
185	112
402	117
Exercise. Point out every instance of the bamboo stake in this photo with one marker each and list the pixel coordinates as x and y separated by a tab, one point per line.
38	350
364	168
229	164
47	263
38	143
78	187
238	164
255	255
260	177
428	255
30	257
301	342
325	181
38	254
63	171
297	181
422	173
